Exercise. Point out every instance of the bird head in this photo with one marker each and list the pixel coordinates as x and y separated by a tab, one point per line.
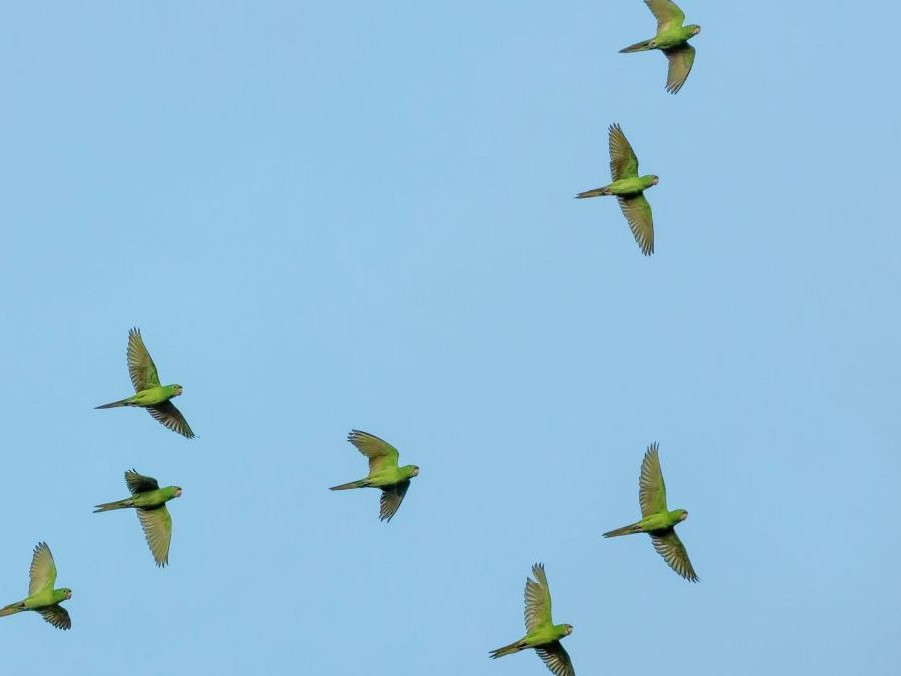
682	514
178	390
415	470
68	593
567	629
177	491
655	179
695	29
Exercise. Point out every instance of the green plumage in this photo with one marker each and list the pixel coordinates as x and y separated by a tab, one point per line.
150	502
657	520
629	189
671	39
541	632
149	393
384	472
42	597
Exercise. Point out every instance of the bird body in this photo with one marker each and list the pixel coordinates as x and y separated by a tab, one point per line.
632	185
672	39
150	502
666	39
541	632
42	597
656	519
149	393
651	524
534	639
152	396
384	472
629	189
386	478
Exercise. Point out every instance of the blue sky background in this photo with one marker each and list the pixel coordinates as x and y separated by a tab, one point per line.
328	215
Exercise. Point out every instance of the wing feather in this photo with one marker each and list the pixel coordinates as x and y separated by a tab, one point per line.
141	368
137	483
167	414
391	499
623	162
667	13
638	214
651	488
42	574
157	525
381	454
681	59
556	659
538	600
670	547
57	616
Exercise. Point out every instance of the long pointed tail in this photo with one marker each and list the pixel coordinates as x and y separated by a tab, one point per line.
642	46
597	192
118	504
12	608
114	404
352	484
625	530
509	649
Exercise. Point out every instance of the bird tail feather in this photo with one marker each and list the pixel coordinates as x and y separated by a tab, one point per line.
514	647
642	46
625	530
118	504
114	404
352	484
597	192
12	609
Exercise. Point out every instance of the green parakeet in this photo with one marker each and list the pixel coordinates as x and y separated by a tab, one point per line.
629	189
42	597
149	394
383	472
150	502
541	632
672	39
656	520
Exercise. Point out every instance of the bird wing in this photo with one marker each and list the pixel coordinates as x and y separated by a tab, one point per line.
56	615
157	525
171	417
556	659
670	547
681	59
623	162
637	211
381	454
667	13
140	366
138	483
538	600
651	489
42	574
391	499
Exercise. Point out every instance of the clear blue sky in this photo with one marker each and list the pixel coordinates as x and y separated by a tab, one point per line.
328	215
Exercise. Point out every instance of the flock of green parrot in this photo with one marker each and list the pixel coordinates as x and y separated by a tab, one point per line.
542	635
